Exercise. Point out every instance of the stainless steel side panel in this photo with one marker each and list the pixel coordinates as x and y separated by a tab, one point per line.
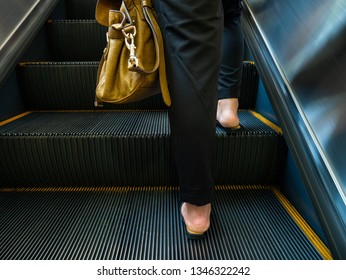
308	42
302	44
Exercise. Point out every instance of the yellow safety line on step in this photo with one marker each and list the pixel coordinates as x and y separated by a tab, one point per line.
313	237
101	111
90	189
73	111
242	187
14	118
126	188
267	122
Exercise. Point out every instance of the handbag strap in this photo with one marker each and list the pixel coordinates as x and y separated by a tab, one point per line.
155	31
160	64
151	19
102	9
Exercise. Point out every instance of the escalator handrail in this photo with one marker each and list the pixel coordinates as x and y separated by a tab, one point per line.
20	36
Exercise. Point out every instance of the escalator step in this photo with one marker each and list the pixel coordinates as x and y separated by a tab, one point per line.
125	148
255	152
71	86
84	40
249	86
131	223
68	86
80	9
76	40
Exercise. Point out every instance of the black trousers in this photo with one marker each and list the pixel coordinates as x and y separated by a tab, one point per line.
192	31
232	51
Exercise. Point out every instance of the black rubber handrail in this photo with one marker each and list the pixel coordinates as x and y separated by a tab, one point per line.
21	38
315	174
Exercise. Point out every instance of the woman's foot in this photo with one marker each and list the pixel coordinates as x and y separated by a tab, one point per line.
227	113
196	218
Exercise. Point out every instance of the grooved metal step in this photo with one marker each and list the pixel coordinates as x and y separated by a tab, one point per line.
145	224
80	9
71	86
125	148
76	40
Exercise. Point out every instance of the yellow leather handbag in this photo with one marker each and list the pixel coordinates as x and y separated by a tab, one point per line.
132	66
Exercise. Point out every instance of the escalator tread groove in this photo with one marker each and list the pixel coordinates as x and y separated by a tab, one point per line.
144	223
70	85
105	148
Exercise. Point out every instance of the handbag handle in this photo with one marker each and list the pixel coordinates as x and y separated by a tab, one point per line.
129	32
148	14
102	8
159	51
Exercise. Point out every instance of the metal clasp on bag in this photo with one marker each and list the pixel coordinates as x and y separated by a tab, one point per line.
130	33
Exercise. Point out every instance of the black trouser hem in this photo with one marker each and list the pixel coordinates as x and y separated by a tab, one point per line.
197	199
228	93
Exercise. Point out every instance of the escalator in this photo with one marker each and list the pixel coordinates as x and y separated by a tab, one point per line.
83	183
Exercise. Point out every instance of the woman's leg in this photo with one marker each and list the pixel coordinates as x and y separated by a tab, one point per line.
192	30
231	65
